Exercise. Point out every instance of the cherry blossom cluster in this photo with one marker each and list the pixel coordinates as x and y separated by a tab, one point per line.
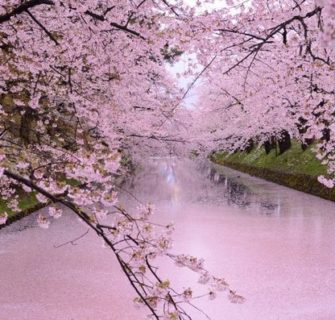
268	75
137	242
328	35
80	82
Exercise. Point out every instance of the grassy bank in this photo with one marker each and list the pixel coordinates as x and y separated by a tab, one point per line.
27	204
295	168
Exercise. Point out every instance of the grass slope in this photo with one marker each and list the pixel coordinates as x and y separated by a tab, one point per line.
295	168
26	202
292	161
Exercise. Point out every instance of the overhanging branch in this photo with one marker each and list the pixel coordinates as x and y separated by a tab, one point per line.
23	8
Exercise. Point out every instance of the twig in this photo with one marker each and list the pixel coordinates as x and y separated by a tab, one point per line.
73	241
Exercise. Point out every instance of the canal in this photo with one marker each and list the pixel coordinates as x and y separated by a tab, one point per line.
274	245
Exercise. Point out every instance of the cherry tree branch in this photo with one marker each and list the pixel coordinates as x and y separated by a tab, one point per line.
257	47
114	24
23	8
42	27
170	7
126	29
126	247
86	218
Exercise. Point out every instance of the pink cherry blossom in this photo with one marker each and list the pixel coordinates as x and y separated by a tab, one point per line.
3	218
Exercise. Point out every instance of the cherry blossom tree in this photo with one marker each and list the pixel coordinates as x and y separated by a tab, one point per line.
269	73
80	81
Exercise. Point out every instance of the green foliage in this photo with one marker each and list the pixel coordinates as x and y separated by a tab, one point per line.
293	160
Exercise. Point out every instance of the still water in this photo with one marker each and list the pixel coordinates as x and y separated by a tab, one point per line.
275	246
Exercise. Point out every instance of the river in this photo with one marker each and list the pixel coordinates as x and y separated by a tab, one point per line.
275	246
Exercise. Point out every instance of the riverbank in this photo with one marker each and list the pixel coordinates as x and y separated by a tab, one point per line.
27	204
295	168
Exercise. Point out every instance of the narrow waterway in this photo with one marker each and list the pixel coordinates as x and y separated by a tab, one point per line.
275	246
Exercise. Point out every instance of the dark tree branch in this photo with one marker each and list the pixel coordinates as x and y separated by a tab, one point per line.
241	33
43	27
23	8
170	7
95	15
124	28
96	227
141	3
114	24
120	248
282	27
314	57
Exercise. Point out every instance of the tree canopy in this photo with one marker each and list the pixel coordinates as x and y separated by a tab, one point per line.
81	81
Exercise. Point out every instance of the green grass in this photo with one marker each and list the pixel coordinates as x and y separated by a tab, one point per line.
27	201
295	168
293	160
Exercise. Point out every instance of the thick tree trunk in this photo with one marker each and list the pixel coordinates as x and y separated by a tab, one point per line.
284	142
326	134
269	145
306	143
249	146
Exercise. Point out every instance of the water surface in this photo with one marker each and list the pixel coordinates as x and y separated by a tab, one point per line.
274	245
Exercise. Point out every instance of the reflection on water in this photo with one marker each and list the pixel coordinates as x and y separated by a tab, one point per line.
168	171
236	192
179	181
